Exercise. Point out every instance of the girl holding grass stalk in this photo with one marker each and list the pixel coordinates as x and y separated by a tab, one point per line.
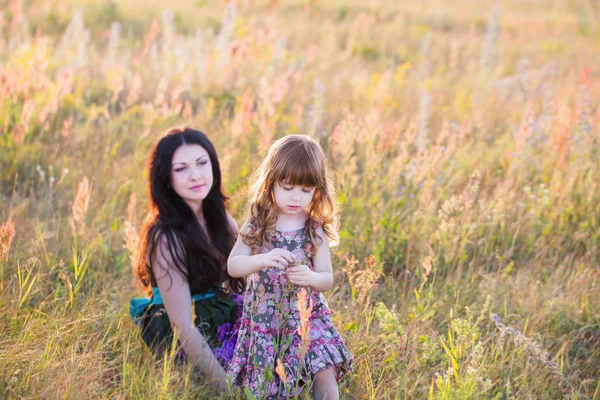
287	341
184	244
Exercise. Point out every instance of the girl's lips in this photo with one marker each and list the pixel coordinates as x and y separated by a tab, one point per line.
294	207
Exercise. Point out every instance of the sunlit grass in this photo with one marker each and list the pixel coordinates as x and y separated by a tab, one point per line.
464	144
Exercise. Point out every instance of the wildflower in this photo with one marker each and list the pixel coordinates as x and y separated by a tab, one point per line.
80	206
242	121
458	203
362	281
135	89
169	30
533	348
26	113
316	110
225	352
131	207
388	319
223	331
41	173
427	264
225	36
423	120
305	311
488	48
584	107
67	127
113	40
150	35
132	241
280	371
7	233
65	172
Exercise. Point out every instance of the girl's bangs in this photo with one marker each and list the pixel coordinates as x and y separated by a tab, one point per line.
299	172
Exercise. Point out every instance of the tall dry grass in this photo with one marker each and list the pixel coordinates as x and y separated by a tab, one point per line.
464	143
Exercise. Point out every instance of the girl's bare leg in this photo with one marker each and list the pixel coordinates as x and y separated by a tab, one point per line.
324	387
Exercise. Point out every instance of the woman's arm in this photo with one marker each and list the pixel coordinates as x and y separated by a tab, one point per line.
232	224
321	278
175	292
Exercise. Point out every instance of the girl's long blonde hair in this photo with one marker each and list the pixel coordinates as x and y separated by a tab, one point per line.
294	160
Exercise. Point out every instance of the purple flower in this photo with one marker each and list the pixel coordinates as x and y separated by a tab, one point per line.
238	298
225	352
223	331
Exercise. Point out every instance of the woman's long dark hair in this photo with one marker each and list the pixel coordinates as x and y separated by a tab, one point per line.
172	225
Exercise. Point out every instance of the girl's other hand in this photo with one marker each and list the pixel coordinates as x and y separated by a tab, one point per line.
277	258
300	275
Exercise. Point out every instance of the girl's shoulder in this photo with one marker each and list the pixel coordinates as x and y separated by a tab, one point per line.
247	225
315	226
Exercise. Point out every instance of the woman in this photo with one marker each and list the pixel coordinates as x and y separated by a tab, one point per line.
185	241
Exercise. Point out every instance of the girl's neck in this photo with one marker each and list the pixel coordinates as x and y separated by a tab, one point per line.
286	222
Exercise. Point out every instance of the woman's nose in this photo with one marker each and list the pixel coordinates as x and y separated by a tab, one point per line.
195	173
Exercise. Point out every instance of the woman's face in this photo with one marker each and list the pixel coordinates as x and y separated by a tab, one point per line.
191	174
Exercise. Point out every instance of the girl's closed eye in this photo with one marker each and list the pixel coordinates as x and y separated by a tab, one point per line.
308	190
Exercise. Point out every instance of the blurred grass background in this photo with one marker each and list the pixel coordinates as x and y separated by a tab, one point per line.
464	141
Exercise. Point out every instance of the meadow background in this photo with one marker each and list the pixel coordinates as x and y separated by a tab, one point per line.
464	139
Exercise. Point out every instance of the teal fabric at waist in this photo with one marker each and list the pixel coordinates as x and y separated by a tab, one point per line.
139	304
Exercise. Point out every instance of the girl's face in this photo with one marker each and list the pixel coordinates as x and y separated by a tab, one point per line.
191	173
292	199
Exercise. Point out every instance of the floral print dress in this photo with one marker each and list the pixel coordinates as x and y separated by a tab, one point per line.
270	358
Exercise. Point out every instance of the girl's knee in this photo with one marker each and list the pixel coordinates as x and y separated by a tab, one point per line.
325	385
325	376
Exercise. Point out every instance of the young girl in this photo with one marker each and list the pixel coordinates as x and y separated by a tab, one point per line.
284	249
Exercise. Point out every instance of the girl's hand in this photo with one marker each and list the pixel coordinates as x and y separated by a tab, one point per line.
277	258
300	275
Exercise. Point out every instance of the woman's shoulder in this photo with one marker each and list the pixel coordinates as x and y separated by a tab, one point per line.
232	224
164	246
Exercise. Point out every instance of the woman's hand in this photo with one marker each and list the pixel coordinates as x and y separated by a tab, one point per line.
300	275
277	258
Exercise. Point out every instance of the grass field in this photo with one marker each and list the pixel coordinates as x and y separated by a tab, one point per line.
464	138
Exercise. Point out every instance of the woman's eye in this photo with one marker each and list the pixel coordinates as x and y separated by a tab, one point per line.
179	169
203	162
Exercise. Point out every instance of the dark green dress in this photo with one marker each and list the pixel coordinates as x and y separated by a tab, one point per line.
216	315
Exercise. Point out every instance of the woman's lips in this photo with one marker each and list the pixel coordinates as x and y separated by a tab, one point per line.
196	188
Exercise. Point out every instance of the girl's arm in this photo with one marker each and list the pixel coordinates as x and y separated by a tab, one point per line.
175	292
242	263
321	278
